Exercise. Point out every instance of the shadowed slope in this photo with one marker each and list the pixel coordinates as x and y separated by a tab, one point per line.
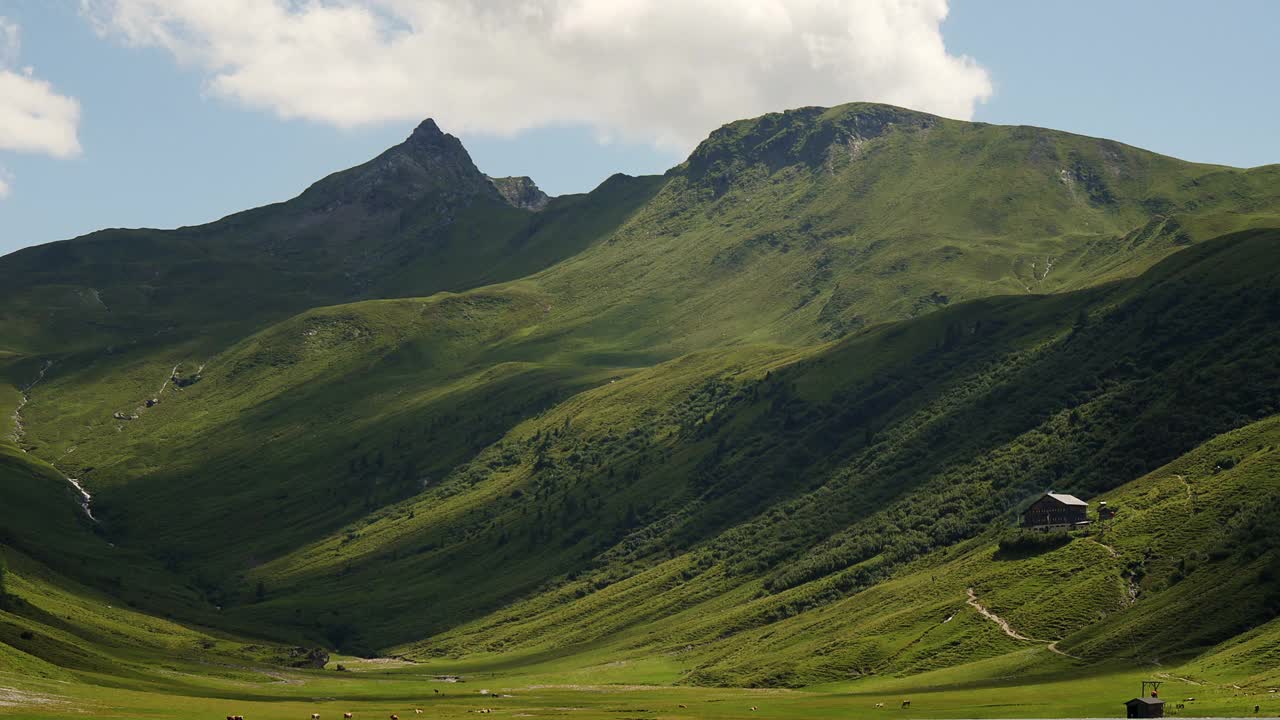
742	392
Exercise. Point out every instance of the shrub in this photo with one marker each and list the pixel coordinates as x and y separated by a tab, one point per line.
1025	543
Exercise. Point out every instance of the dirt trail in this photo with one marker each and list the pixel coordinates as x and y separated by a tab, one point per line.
1108	548
1190	494
1189	681
1053	648
167	378
984	612
172	374
1008	629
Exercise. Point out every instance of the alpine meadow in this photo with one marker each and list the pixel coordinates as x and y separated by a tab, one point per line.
757	437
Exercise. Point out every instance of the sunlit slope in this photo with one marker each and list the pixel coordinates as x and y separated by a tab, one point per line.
809	224
828	470
418	219
792	226
1169	581
830	344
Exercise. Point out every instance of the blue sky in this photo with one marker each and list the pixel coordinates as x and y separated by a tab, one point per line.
168	138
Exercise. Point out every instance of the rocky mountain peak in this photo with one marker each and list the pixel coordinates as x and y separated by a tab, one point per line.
803	136
426	130
428	162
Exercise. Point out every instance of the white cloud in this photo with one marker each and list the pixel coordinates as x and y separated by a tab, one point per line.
34	118
665	71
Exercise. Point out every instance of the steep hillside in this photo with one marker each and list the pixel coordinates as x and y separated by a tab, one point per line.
810	224
418	219
812	479
343	438
787	396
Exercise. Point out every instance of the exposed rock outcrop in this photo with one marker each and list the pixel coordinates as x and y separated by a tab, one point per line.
521	192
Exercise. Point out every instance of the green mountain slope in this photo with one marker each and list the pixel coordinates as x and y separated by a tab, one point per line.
417	219
823	471
787	396
809	224
836	470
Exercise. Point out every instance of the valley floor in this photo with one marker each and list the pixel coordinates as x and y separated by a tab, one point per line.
621	689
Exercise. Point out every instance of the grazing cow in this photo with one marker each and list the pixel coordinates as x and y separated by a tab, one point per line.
906	704
879	705
753	708
395	717
315	716
682	707
347	716
417	711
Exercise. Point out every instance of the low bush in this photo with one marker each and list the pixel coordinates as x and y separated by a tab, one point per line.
1021	543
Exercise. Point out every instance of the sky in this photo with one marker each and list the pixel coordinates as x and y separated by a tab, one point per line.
162	113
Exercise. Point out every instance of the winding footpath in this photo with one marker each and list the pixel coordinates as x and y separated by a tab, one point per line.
1051	646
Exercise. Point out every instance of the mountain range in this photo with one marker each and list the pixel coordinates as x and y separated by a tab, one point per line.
766	420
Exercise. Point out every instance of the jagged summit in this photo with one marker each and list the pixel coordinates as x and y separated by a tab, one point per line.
427	129
432	144
428	162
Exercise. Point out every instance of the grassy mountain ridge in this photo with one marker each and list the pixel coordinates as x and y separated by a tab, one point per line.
418	219
785	245
761	420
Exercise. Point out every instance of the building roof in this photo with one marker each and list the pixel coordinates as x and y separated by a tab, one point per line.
1147	700
1067	499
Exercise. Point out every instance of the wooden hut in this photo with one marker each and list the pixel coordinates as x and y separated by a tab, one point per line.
1056	511
1145	707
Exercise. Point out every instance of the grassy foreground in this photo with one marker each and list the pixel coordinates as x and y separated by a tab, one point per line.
629	689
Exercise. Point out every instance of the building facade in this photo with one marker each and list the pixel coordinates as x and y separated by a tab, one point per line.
1056	511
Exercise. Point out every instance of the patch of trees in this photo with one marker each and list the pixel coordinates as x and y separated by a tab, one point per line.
1026	543
953	439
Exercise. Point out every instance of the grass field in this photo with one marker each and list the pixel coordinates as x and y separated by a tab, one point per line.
620	690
